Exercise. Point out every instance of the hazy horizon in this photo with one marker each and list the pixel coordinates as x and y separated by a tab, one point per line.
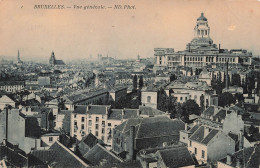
77	34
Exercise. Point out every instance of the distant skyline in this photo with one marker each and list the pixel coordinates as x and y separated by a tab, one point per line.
75	34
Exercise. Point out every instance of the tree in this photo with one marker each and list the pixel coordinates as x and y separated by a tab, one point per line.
141	82
166	103
236	80
135	82
173	78
239	97
225	99
190	107
202	105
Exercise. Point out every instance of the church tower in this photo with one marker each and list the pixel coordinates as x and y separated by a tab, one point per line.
18	58
52	59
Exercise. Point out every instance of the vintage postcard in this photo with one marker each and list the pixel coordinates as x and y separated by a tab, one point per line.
130	83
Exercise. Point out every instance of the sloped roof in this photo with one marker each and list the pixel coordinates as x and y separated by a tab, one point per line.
16	157
80	110
59	156
198	135
159	126
98	109
250	157
209	111
98	154
88	142
177	157
152	126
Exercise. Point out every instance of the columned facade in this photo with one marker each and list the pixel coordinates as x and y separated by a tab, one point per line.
200	52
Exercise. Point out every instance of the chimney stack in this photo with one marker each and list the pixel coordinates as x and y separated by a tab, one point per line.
241	140
186	127
227	85
132	143
206	131
228	159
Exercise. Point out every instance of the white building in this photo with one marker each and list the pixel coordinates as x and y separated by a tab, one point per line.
201	51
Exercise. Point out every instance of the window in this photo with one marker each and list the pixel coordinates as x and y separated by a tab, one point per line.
75	123
202	153
90	122
89	130
180	98
190	143
82	119
82	126
109	124
148	99
96	134
195	151
50	139
96	126
75	115
103	123
103	130
97	119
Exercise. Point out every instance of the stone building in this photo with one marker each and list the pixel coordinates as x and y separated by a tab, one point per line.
201	51
53	60
136	134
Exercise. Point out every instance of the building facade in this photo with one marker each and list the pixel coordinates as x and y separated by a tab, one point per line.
200	52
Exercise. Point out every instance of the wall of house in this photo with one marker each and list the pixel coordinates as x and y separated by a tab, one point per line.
153	100
6	100
120	94
184	136
102	128
200	147
223	165
47	141
233	123
220	146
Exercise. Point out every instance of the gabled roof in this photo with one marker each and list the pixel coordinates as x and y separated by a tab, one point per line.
98	109
152	126
98	154
88	142
250	157
59	156
198	135
177	157
15	155
159	126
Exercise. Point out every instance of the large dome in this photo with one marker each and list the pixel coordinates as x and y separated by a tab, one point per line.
202	17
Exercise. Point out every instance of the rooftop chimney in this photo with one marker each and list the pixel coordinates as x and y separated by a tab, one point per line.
186	127
206	131
241	140
132	142
228	159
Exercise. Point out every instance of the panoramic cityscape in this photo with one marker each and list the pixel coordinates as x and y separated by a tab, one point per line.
197	107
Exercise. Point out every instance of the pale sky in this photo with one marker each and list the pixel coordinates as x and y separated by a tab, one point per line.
76	34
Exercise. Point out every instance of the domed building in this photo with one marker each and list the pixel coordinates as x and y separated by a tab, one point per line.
200	52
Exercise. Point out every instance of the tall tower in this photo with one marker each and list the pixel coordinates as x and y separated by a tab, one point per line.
18	58
202	29
52	59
